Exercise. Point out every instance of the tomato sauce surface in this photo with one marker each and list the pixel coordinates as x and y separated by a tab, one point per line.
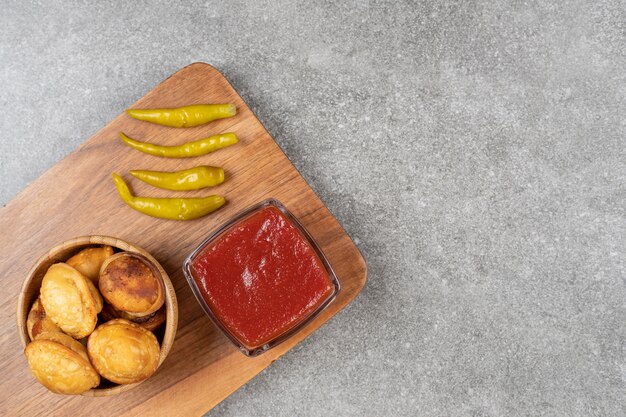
261	277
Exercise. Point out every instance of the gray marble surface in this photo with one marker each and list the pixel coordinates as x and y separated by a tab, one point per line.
475	152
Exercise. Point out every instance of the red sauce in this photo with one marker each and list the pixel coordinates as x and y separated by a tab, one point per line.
261	278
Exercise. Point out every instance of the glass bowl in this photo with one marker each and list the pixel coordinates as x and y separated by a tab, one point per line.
293	328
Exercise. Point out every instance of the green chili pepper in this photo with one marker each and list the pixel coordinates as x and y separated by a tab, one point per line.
168	208
186	150
187	116
188	179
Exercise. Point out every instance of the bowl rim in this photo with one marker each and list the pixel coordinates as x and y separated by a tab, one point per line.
171	303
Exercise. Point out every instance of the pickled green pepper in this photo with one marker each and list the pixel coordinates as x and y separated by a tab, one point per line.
187	116
186	150
168	208
188	179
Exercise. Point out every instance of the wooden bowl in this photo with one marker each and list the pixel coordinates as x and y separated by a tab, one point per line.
60	253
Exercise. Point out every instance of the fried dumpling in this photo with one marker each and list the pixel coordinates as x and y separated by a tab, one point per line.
151	322
65	340
89	261
109	313
61	364
123	352
70	300
97	298
38	321
130	283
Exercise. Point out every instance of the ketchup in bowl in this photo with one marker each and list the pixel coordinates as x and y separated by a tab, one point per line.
261	277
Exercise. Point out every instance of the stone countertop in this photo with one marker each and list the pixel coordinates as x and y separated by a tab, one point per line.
475	152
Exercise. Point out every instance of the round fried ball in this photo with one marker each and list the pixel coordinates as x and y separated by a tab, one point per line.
123	352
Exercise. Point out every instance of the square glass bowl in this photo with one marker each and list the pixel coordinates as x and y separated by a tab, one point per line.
221	231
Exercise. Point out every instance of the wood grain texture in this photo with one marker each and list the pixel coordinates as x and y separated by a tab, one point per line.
77	197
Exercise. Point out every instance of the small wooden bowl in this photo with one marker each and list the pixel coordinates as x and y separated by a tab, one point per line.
60	253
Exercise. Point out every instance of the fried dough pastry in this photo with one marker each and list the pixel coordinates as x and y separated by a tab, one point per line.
61	364
151	322
109	313
89	261
123	352
38	322
70	300
66	341
130	283
97	298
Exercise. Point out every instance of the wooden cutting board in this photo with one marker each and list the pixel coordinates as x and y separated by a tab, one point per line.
76	197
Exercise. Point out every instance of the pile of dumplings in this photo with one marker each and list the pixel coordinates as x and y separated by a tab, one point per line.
94	319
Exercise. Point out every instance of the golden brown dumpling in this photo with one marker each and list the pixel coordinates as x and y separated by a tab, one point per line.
61	364
66	341
70	300
89	261
130	283
151	322
109	313
123	352
97	298
38	322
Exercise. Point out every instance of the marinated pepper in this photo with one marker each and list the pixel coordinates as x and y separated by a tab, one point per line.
186	150
187	116
168	208
188	179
